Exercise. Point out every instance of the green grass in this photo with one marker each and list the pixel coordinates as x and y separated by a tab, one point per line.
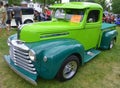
101	72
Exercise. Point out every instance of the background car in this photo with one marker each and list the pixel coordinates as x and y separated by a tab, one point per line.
27	15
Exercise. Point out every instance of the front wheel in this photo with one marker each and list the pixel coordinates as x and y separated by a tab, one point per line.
68	69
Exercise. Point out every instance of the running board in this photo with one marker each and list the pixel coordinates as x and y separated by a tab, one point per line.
88	55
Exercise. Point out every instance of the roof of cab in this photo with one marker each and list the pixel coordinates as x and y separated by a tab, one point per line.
77	5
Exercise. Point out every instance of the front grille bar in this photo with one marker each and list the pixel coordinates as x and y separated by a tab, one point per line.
20	56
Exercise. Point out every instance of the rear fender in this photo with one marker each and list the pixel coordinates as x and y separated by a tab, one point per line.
107	37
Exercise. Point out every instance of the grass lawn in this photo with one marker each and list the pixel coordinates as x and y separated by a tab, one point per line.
101	72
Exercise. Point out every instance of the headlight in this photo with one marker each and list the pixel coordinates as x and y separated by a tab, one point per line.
32	55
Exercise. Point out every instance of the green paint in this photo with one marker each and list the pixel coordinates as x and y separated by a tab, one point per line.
60	38
66	29
56	51
73	30
77	5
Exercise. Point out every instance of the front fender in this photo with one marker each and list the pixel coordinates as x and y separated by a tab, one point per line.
107	37
52	53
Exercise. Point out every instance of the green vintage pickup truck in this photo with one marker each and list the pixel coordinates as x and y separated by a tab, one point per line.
55	49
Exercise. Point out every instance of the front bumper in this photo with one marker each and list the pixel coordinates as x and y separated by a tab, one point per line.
23	73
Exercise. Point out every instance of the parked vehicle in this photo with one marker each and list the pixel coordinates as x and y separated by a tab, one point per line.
56	48
27	15
117	21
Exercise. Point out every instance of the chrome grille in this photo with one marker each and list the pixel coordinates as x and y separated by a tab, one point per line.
20	57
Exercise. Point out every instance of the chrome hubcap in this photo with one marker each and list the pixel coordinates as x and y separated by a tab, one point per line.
70	69
111	44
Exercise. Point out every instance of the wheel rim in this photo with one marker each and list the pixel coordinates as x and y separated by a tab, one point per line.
111	44
70	69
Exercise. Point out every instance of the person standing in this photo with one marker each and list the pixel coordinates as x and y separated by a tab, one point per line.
47	14
2	17
18	15
9	17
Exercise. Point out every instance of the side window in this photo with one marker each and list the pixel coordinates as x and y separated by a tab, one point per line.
93	16
27	11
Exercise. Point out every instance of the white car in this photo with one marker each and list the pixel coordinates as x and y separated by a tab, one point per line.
27	16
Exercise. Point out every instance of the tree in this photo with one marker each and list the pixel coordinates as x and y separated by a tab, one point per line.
116	6
17	2
89	0
10	2
47	2
101	2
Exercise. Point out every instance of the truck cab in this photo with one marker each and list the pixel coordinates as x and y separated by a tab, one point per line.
57	48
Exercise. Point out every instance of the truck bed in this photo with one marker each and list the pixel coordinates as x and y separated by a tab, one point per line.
107	25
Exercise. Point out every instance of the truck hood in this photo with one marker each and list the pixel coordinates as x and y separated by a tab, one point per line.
46	30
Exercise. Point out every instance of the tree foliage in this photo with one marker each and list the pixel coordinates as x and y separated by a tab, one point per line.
11	2
116	6
47	1
101	2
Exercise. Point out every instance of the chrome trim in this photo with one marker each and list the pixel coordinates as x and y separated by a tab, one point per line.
54	34
23	62
31	70
27	61
22	46
19	54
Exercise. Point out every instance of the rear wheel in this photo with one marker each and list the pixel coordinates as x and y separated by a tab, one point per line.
112	43
68	69
28	21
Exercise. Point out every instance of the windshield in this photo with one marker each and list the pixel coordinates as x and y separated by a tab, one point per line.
69	14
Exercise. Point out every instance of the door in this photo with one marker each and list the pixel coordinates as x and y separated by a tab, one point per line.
93	28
